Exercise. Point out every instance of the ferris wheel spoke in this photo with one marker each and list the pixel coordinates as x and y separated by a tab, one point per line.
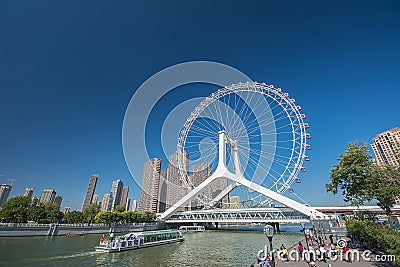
272	158
272	132
276	161
268	121
274	180
267	126
203	132
248	110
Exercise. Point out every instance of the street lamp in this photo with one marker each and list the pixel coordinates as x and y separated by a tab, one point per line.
320	232
305	236
269	233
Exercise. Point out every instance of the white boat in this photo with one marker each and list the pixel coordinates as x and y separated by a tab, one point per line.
139	240
191	229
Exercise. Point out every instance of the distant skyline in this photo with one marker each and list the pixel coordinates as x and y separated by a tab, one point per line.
68	71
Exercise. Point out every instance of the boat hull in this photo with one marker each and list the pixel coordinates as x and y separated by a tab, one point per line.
150	244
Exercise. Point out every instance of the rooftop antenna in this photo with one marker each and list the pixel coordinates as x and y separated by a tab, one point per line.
12	180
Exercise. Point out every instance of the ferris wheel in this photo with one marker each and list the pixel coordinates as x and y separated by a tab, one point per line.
267	125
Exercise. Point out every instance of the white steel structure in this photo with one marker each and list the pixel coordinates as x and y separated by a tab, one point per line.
240	216
267	215
266	123
263	132
238	179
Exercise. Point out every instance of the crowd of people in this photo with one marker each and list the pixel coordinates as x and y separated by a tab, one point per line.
317	251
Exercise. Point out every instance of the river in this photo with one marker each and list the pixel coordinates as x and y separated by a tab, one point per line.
211	248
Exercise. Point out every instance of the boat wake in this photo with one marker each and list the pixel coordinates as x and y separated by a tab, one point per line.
54	259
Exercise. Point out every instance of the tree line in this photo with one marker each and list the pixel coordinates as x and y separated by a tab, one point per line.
21	209
359	179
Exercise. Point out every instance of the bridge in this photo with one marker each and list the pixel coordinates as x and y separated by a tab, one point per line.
237	179
239	216
277	208
290	211
266	215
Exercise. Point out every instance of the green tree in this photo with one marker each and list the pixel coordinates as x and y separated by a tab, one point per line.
386	186
53	212
119	208
37	213
361	180
104	217
352	175
136	217
380	236
90	212
15	209
149	216
73	217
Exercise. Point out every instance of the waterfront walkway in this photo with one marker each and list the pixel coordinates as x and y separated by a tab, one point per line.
361	263
361	258
338	263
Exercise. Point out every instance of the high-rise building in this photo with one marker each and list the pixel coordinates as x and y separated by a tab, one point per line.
66	210
128	203
234	202
28	192
87	200
134	205
5	190
47	196
199	173
58	200
162	191
217	187
116	191
124	196
150	185
95	199
386	147
178	165
105	203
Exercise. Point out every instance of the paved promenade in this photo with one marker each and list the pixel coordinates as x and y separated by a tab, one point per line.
337	263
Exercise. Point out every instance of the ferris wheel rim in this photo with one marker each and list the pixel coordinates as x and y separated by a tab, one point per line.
269	91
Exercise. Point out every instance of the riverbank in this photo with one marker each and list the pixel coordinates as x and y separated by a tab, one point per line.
54	229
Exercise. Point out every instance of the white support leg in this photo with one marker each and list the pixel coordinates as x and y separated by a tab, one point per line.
189	197
237	178
309	211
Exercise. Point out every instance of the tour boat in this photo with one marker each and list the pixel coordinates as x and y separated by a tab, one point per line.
138	240
191	229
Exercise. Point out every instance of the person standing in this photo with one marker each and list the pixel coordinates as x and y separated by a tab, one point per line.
331	238
300	248
284	253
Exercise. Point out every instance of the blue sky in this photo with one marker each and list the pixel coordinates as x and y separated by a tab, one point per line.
68	71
